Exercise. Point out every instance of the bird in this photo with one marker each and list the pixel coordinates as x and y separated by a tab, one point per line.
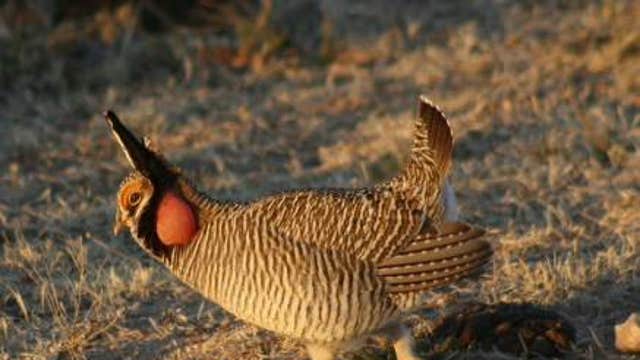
328	267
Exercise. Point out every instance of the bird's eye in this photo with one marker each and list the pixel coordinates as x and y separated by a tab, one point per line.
134	198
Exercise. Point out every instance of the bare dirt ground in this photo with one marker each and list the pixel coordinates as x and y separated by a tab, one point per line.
543	98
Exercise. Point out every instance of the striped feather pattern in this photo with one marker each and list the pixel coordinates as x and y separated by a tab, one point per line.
316	265
328	266
436	259
423	176
288	286
367	224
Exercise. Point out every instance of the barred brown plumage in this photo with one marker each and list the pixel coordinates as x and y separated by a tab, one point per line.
325	266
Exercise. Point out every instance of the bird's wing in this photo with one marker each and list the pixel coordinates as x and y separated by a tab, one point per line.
369	224
436	259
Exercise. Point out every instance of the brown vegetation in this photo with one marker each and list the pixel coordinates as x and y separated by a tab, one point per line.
543	97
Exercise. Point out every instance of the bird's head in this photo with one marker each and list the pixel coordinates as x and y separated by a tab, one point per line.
150	202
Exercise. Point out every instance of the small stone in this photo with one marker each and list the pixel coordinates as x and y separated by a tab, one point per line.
628	334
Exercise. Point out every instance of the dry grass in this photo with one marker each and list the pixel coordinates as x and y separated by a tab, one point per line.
543	98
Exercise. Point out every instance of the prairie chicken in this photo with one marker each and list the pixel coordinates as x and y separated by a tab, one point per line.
328	267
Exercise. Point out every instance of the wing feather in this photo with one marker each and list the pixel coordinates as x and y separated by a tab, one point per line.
436	259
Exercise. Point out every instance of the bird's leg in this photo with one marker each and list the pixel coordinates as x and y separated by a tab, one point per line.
402	340
320	352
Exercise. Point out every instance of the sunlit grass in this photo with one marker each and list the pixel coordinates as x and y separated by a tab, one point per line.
543	100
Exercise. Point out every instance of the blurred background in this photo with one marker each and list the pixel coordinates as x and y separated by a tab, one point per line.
251	97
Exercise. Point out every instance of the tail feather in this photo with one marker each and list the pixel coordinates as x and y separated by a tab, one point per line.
449	235
423	177
434	126
433	260
427	263
423	286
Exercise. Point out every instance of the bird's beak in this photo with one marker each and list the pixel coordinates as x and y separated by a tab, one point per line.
118	225
139	155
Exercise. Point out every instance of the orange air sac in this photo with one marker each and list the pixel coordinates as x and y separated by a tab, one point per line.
175	221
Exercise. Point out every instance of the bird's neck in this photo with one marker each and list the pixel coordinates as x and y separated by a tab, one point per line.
202	262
